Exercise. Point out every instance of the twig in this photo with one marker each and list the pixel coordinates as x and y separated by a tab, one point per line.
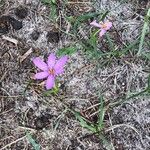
25	55
12	40
8	145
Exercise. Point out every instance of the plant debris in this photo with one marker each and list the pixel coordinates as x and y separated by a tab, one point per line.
35	35
41	122
53	36
21	12
4	25
12	40
6	22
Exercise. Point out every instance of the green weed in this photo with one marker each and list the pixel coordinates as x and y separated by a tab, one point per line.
144	31
67	51
32	141
132	96
53	7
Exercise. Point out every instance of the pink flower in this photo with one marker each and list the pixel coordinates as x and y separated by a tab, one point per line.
102	26
50	70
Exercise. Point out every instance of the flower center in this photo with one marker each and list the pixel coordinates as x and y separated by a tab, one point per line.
104	26
51	71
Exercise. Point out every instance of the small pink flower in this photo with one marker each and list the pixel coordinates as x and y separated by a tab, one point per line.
102	26
50	70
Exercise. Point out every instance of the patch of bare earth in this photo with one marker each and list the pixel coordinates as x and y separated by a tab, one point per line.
23	106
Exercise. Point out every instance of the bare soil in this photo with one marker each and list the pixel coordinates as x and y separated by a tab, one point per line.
23	106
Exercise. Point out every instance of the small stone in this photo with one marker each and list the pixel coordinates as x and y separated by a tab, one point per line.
21	12
35	35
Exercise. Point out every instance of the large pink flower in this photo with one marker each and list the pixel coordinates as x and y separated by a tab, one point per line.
50	69
102	26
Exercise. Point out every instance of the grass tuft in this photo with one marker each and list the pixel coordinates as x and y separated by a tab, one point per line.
144	31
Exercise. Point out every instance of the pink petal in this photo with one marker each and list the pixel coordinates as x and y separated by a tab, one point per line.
60	64
95	24
51	60
41	75
50	82
102	32
59	71
40	64
109	25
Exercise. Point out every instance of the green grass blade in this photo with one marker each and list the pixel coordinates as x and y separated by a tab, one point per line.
148	88
144	30
146	55
58	119
53	5
33	142
108	145
130	46
47	2
83	18
128	98
53	1
110	42
84	123
66	51
104	15
101	114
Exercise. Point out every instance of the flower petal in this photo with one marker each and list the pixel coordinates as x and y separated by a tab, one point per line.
109	25
102	32
59	71
50	82
41	75
60	64
95	24
51	60
40	64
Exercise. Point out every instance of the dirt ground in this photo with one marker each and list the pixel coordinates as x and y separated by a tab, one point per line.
27	28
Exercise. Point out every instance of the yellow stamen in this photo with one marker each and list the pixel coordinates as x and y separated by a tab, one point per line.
104	26
52	71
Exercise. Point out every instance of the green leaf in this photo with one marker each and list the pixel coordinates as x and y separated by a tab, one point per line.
53	13
53	91
84	123
90	48
107	144
101	114
66	51
53	1
87	16
58	119
46	1
93	39
53	6
144	31
104	15
110	42
148	88
32	141
83	18
130	46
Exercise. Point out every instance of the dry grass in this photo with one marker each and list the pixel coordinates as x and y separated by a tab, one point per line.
23	106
